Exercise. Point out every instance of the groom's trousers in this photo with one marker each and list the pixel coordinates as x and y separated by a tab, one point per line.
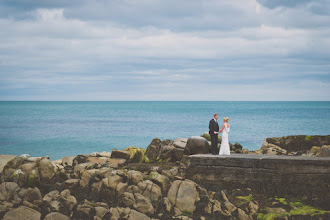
214	144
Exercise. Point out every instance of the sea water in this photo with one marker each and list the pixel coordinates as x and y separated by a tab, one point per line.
59	129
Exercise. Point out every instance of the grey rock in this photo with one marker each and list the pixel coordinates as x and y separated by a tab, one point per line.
197	145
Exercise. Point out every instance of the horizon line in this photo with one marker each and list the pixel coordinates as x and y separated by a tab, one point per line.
164	101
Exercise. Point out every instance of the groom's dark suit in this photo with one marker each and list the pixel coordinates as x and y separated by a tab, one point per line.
214	126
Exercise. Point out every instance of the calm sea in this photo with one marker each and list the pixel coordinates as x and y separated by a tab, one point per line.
59	129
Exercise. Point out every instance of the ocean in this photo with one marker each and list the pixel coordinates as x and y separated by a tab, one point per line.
58	129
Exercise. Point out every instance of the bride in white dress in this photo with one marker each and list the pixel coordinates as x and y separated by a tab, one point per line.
225	149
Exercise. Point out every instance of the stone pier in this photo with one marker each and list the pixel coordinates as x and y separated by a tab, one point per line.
273	175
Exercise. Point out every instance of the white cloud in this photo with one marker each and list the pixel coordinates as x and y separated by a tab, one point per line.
58	47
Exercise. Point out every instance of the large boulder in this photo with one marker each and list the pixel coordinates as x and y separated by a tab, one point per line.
136	154
197	145
183	195
22	213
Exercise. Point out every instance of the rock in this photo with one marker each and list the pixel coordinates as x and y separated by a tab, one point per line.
21	213
95	154
208	137
178	154
56	216
324	151
180	143
152	151
149	190
127	199
33	196
299	142
136	154
34	178
59	202
120	154
245	151
253	207
84	211
134	215
67	161
238	146
79	167
314	151
241	214
8	190
229	207
79	159
271	149
161	180
183	195
167	204
46	170
134	177
197	145
143	205
113	186
105	154
102	213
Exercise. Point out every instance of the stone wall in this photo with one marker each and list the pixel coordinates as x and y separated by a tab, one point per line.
273	175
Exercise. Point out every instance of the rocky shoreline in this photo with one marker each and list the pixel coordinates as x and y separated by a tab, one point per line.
135	183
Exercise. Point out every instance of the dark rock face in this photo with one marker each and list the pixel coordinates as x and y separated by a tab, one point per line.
273	175
299	142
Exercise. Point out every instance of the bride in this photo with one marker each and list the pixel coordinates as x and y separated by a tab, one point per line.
224	148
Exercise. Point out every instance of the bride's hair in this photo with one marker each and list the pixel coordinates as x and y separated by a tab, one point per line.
226	119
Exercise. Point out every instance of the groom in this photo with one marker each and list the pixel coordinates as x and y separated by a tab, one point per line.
214	129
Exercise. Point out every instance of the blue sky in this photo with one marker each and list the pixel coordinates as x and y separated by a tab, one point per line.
165	50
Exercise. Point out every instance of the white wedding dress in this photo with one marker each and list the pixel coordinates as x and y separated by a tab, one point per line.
224	148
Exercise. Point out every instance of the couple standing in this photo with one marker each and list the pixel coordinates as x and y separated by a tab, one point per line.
214	132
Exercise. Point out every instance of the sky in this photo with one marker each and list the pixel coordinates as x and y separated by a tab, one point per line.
240	50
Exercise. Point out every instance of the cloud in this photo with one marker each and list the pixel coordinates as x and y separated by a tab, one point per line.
140	50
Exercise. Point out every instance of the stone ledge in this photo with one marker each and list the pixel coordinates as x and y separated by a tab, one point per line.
274	175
